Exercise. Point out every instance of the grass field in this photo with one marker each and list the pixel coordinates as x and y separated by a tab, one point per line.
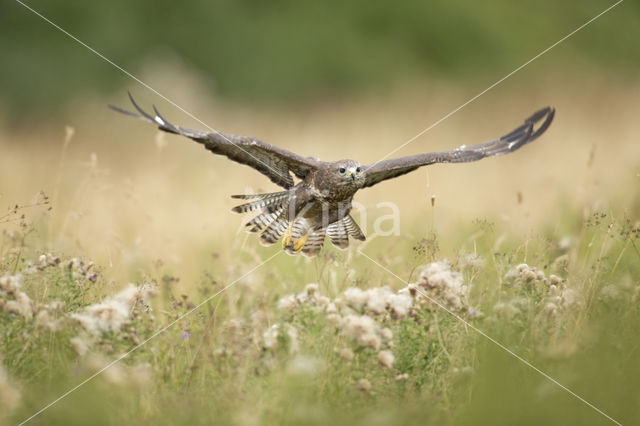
539	250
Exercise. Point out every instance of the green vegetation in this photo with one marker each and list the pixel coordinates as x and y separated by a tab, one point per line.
540	250
288	51
368	349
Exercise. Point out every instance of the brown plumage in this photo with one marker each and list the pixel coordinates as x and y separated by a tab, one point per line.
319	204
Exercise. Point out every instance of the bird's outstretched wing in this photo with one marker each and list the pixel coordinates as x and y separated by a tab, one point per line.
388	169
271	161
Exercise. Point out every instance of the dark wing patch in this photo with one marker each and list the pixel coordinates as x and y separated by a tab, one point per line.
271	161
388	169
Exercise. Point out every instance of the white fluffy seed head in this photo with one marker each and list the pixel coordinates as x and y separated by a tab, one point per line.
346	354
363	329
523	275
399	304
80	345
270	336
371	340
439	282
377	299
355	297
21	305
386	334
10	283
364	385
311	289
287	303
386	358
112	312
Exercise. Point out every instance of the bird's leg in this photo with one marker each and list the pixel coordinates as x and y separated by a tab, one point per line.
300	242
286	238
291	245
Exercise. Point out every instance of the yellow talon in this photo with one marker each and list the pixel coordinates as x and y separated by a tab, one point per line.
300	242
291	245
286	238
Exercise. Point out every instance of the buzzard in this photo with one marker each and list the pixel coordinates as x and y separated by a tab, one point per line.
319	204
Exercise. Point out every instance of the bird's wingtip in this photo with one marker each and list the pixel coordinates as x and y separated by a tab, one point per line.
548	114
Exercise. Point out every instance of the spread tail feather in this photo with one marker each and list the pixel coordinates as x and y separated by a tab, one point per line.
340	231
353	229
338	234
268	202
274	231
297	235
271	219
314	242
264	219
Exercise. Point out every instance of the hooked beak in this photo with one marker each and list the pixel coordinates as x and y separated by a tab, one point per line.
351	172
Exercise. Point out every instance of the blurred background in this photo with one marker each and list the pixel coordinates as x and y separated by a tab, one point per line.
332	79
288	52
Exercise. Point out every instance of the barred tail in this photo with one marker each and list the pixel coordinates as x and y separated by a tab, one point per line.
274	231
270	201
263	220
353	229
340	231
298	235
314	242
271	220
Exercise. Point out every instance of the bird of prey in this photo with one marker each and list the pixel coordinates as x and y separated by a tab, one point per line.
319	204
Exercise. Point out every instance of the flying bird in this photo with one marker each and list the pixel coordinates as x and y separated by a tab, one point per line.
319	204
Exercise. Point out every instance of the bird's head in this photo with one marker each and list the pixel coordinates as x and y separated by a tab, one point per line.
349	172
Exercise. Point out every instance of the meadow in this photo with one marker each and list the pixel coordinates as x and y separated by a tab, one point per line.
116	236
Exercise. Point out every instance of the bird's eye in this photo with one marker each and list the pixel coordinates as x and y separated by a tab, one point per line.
342	170
358	170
